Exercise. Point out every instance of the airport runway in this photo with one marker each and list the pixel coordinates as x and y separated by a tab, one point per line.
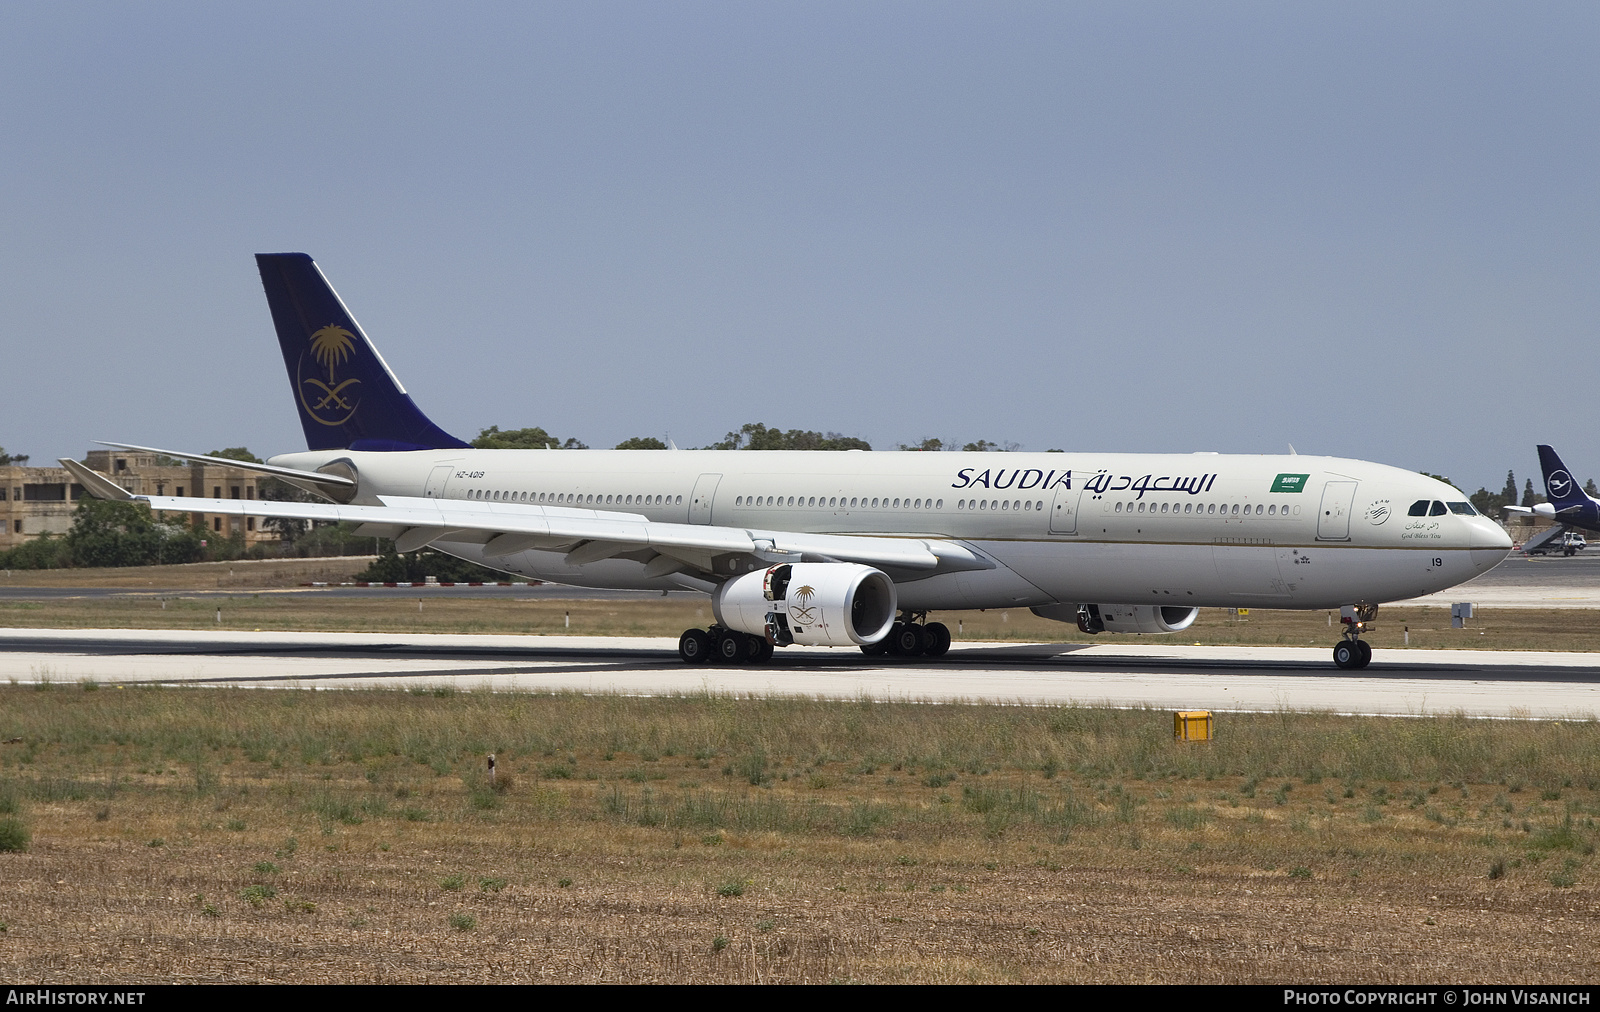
1402	682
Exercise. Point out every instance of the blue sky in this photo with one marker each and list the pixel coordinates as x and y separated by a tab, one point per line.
1366	229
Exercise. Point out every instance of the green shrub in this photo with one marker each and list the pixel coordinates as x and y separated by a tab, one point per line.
14	835
258	894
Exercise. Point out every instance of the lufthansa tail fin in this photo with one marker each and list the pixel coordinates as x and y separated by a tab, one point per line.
346	396
1559	484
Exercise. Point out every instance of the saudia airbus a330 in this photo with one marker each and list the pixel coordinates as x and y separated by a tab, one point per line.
854	549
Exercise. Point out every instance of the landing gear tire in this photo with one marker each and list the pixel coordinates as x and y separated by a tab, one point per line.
729	647
939	634
754	648
764	650
1364	652
1346	656
907	640
877	649
694	646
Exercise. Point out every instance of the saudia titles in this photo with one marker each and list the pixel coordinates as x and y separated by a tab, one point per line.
1103	482
335	401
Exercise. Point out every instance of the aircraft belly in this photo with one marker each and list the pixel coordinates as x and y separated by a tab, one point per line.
1226	576
1114	572
1251	572
988	588
1325	577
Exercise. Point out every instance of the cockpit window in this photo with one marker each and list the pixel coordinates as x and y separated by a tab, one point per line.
1462	509
1438	509
1418	508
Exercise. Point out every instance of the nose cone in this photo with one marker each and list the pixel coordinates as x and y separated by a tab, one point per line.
1490	544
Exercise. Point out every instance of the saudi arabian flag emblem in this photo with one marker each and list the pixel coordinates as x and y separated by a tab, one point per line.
1290	483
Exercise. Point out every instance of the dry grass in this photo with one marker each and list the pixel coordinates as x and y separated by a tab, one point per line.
649	615
251	574
238	835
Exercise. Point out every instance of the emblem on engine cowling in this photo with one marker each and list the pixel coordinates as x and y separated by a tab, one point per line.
801	609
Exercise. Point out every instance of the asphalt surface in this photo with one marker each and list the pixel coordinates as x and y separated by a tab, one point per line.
1402	682
1477	683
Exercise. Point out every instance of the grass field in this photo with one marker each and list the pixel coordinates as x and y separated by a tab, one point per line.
194	835
647	615
254	574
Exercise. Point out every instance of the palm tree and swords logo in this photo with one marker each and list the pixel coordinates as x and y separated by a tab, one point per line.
801	611
335	402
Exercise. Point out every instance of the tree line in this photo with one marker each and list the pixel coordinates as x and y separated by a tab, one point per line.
750	436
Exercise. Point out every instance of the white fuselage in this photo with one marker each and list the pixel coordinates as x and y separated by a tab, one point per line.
1191	530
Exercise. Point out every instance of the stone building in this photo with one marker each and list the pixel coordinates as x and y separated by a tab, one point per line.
34	500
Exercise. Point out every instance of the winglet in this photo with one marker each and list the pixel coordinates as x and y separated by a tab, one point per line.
95	483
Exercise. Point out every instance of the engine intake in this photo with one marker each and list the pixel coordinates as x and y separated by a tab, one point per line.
836	604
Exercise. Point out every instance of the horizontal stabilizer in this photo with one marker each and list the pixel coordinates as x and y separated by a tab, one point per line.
95	483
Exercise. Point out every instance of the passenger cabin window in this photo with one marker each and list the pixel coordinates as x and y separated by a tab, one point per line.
1438	509
1418	508
1463	509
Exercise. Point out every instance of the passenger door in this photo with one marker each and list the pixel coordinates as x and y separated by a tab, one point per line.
705	491
1064	511
437	481
1333	517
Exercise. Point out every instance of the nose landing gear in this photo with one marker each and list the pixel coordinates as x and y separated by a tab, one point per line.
1353	652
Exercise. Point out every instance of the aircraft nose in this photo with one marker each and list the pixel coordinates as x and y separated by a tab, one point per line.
1490	544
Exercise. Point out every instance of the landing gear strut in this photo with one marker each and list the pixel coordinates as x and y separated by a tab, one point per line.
912	636
1353	652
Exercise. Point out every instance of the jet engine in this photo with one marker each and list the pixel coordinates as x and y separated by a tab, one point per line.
836	604
1123	618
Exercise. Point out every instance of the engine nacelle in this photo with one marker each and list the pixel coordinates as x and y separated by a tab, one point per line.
1123	618
836	604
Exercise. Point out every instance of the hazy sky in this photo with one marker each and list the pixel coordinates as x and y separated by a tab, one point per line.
1367	229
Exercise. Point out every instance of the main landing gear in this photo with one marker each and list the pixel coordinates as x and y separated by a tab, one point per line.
909	637
723	646
912	636
1353	652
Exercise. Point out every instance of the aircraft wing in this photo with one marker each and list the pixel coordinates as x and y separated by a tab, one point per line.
585	535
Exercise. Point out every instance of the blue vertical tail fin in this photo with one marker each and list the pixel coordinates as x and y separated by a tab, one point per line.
1559	484
345	393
